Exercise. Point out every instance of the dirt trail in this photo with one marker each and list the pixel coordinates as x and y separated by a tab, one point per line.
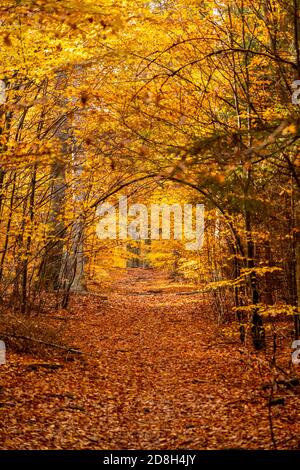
160	378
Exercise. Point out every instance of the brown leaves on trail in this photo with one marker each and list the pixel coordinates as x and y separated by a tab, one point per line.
155	375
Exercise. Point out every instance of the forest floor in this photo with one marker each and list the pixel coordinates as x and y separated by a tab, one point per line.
157	373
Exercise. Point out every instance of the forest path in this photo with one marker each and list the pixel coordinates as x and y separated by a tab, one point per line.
158	376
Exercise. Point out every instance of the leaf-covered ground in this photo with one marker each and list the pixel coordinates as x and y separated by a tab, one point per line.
157	374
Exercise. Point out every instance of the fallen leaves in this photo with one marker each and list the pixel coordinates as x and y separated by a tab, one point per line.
156	374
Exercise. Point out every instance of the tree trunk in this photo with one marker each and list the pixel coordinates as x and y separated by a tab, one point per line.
52	263
296	261
257	329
